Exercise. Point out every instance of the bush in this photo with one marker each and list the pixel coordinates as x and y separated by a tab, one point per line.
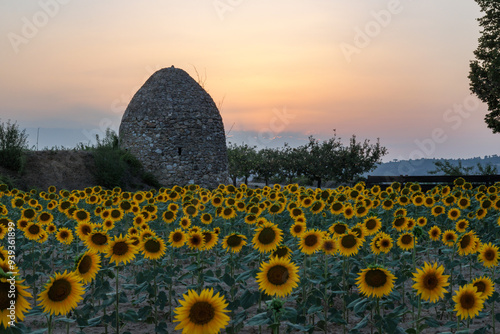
13	142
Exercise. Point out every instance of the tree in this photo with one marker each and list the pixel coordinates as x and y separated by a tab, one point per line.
484	73
13	142
241	161
447	168
359	158
267	164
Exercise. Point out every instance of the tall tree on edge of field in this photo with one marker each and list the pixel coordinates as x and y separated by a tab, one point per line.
484	72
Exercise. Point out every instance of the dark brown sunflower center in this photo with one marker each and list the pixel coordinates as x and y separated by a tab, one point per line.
152	246
385	243
371	224
399	221
177	237
296	212
99	239
337	206
190	210
357	231
34	229
467	300
489	255
120	248
480	286
454	213
311	240
81	215
438	210
375	278
450	237
406	239
434	233
340	228
465	241
328	246
280	252
196	240
115	213
29	213
168	215
430	281
201	313
207	236
85	264
297	228
228	212
234	241
267	236
4	295
59	290
64	234
44	216
277	275
348	241
85	229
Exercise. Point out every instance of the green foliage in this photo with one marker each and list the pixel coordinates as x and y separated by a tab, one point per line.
317	161
114	167
12	144
447	168
484	73
8	181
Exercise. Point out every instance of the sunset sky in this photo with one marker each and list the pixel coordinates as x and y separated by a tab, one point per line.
280	70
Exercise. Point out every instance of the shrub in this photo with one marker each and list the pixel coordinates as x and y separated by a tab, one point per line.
13	142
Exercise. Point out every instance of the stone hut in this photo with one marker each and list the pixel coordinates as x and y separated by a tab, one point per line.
174	128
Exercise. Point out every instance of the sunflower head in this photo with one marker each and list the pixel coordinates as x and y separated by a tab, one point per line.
278	277
468	302
61	294
375	282
430	282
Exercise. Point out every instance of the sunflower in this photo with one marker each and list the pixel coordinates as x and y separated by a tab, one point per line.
384	242
372	225
177	238
64	236
310	241
22	224
87	266
81	216
33	231
481	213
278	277
421	221
375	281
267	237
449	238
461	225
97	241
466	244
434	233
7	299
437	210
146	233
399	223
297	229
329	246
206	218
121	250
282	251
349	212
195	240
153	248
296	212
61	294
468	302
209	239
108	224
28	214
83	230
430	282
234	242
485	286
45	217
489	255
453	214
337	208
185	222
360	231
463	202
228	213
201	313
406	241
349	244
338	229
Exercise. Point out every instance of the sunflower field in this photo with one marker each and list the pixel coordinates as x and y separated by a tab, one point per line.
240	260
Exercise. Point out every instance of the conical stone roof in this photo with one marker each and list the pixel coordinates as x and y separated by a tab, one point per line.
174	128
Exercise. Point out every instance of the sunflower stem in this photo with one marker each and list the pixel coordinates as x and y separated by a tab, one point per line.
417	323
49	324
326	292
117	303
156	293
378	313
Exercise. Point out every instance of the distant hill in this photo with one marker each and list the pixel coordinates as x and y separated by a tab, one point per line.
424	166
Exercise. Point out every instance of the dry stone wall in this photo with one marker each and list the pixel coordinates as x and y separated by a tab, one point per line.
174	128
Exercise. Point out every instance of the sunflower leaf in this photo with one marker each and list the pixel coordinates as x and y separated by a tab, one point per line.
259	319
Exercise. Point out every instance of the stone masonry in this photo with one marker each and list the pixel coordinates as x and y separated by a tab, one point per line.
174	128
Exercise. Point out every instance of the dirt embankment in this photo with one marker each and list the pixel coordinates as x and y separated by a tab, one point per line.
65	169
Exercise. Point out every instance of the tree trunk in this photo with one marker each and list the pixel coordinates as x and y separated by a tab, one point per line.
246	180
234	181
319	182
